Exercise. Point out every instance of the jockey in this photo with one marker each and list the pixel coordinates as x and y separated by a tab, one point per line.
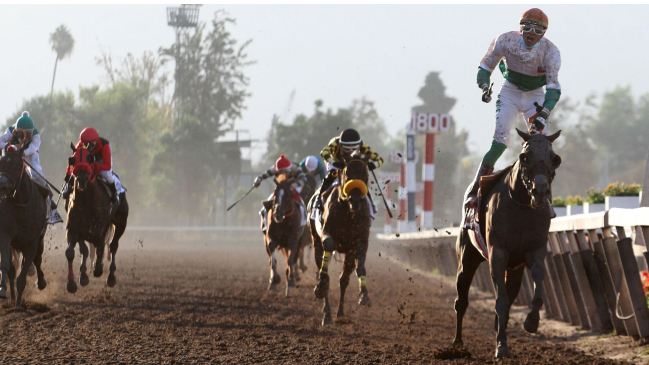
313	165
348	142
23	133
528	61
284	166
100	149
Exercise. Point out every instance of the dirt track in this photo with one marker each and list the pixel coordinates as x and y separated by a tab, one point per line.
199	302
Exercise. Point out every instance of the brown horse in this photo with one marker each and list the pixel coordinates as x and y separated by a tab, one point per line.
22	224
346	229
305	240
515	215
284	221
90	219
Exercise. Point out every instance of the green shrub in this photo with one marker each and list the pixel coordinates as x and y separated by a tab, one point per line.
594	196
622	189
574	200
558	201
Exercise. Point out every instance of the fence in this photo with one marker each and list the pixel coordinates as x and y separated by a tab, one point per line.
592	276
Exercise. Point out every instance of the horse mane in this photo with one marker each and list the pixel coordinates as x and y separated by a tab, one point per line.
281	178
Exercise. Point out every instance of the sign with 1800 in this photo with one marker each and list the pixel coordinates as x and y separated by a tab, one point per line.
429	122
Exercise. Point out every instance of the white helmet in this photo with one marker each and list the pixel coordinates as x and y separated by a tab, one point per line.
311	163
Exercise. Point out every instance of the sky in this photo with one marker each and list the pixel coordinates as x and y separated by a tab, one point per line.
336	53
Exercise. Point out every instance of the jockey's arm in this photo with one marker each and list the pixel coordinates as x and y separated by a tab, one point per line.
270	172
34	145
365	149
5	138
494	54
329	151
106	157
301	176
553	88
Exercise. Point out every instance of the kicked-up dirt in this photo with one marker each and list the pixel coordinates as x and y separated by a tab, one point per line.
203	299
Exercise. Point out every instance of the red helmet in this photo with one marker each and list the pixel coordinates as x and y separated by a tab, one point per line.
282	163
88	135
535	16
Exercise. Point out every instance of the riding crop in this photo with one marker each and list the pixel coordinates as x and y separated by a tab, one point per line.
240	199
37	173
382	196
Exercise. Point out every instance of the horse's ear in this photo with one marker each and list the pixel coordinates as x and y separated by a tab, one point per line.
526	137
553	137
72	147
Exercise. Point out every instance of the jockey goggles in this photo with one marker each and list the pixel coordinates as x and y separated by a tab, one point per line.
90	146
536	29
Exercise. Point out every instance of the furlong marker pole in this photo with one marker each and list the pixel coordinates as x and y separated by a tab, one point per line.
387	229
411	181
403	201
429	178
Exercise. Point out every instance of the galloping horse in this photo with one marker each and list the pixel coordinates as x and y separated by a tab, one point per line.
515	216
22	224
346	229
90	219
305	241
284	221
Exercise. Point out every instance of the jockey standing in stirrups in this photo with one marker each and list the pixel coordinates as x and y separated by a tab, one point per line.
313	165
348	142
23	133
283	166
99	148
528	61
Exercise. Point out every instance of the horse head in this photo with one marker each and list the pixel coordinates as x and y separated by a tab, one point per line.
12	169
537	164
82	169
354	181
283	198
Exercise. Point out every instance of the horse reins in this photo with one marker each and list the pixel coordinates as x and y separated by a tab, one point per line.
527	183
17	185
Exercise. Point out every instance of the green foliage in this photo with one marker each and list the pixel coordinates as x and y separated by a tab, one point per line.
574	200
558	201
621	189
594	196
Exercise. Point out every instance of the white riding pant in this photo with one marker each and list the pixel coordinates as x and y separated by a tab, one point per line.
511	103
35	161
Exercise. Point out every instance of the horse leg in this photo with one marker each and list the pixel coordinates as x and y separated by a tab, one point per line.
69	254
361	272
318	251
469	260
99	259
38	261
275	279
5	263
498	261
119	221
21	280
83	269
326	309
348	267
322	288
531	323
290	266
12	279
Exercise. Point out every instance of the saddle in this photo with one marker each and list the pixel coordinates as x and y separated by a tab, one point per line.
472	219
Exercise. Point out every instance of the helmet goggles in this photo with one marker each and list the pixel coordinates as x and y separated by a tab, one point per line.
533	28
90	146
350	146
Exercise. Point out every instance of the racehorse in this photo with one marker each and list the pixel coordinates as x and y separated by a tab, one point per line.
90	219
515	216
22	224
305	240
284	221
345	229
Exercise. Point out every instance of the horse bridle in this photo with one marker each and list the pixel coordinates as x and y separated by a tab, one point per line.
16	186
286	215
527	182
343	173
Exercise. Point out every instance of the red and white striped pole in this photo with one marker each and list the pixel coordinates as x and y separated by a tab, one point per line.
403	200
387	229
429	178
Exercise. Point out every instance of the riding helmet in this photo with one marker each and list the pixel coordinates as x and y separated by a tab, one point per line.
25	122
350	139
88	135
311	163
535	16
282	163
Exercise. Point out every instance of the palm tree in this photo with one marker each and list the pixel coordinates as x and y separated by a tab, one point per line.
63	44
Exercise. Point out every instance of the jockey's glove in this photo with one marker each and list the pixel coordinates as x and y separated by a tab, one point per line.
257	182
371	165
540	122
338	164
486	93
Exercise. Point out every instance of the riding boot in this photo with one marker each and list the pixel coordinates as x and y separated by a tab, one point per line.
372	203
326	183
472	191
262	213
68	188
114	199
53	204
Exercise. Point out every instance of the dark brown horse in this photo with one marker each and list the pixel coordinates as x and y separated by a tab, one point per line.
90	219
345	229
22	224
305	241
515	216
284	219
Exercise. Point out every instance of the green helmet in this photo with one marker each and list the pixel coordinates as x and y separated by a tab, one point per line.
25	122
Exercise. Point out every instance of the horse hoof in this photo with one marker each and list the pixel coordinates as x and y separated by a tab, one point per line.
17	309
41	284
276	279
111	280
84	279
502	350
272	287
365	300
531	324
327	319
99	270
322	288
72	286
304	268
291	283
32	270
457	343
287	291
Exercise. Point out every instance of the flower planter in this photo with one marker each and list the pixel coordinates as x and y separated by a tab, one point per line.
628	202
574	209
593	208
560	211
